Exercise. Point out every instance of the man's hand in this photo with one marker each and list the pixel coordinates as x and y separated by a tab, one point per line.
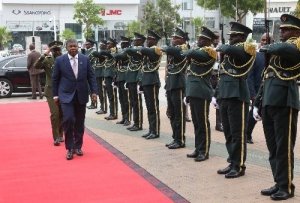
47	52
139	89
56	100
125	86
186	100
256	116
214	102
94	97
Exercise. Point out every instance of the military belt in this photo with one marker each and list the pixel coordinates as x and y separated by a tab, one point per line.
273	74
231	71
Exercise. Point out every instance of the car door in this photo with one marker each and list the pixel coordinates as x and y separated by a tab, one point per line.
17	73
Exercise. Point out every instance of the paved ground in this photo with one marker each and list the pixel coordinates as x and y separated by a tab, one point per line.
197	182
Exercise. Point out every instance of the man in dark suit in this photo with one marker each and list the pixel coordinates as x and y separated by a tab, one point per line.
72	78
34	73
234	98
280	106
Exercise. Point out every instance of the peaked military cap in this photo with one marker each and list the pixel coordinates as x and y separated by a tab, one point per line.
125	39
289	21
90	41
139	36
179	33
153	35
111	40
207	33
55	44
238	28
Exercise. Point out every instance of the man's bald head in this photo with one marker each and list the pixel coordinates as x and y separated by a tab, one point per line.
263	39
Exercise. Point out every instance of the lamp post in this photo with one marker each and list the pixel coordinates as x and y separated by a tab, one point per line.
54	27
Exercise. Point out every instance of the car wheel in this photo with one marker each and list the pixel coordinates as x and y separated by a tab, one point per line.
6	88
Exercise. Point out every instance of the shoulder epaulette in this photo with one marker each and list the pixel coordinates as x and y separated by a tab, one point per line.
250	48
211	52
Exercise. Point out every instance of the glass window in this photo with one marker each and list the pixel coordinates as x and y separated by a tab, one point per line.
21	62
76	28
187	5
210	22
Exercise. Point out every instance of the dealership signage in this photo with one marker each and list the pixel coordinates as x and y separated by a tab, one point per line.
31	12
110	12
280	9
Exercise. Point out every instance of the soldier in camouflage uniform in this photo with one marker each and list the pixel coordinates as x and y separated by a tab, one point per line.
122	60
233	96
199	91
175	87
46	62
136	61
150	82
99	73
280	106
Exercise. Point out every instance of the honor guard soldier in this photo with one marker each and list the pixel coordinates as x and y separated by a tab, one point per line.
99	73
88	50
175	87
136	61
233	96
150	83
46	62
110	74
199	91
122	60
280	106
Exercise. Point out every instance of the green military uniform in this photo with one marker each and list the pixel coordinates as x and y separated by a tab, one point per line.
233	97
89	52
280	106
175	87
99	73
110	74
47	62
136	61
150	83
199	93
122	65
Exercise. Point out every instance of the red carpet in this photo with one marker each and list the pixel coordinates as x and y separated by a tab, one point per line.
33	170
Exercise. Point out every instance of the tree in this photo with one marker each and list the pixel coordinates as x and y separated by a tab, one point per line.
297	10
162	19
87	14
231	8
134	26
5	37
198	22
67	34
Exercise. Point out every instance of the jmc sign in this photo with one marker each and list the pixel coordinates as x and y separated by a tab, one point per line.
111	12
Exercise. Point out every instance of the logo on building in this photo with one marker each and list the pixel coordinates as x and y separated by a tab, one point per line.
110	12
16	12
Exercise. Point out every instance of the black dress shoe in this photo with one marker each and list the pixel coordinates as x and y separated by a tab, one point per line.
193	155
31	98
78	152
135	128
201	157
282	195
225	170
69	154
100	112
235	173
269	191
56	142
120	122
126	123
219	128
176	146
250	141
111	117
171	143
146	135
152	136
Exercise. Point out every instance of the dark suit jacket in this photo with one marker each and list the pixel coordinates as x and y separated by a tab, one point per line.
65	84
33	56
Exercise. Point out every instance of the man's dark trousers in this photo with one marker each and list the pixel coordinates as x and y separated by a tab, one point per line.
135	104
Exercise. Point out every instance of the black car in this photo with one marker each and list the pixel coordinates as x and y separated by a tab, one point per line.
14	76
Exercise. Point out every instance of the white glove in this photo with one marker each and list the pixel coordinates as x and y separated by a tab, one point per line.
125	86
185	101
138	89
214	102
113	85
256	116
